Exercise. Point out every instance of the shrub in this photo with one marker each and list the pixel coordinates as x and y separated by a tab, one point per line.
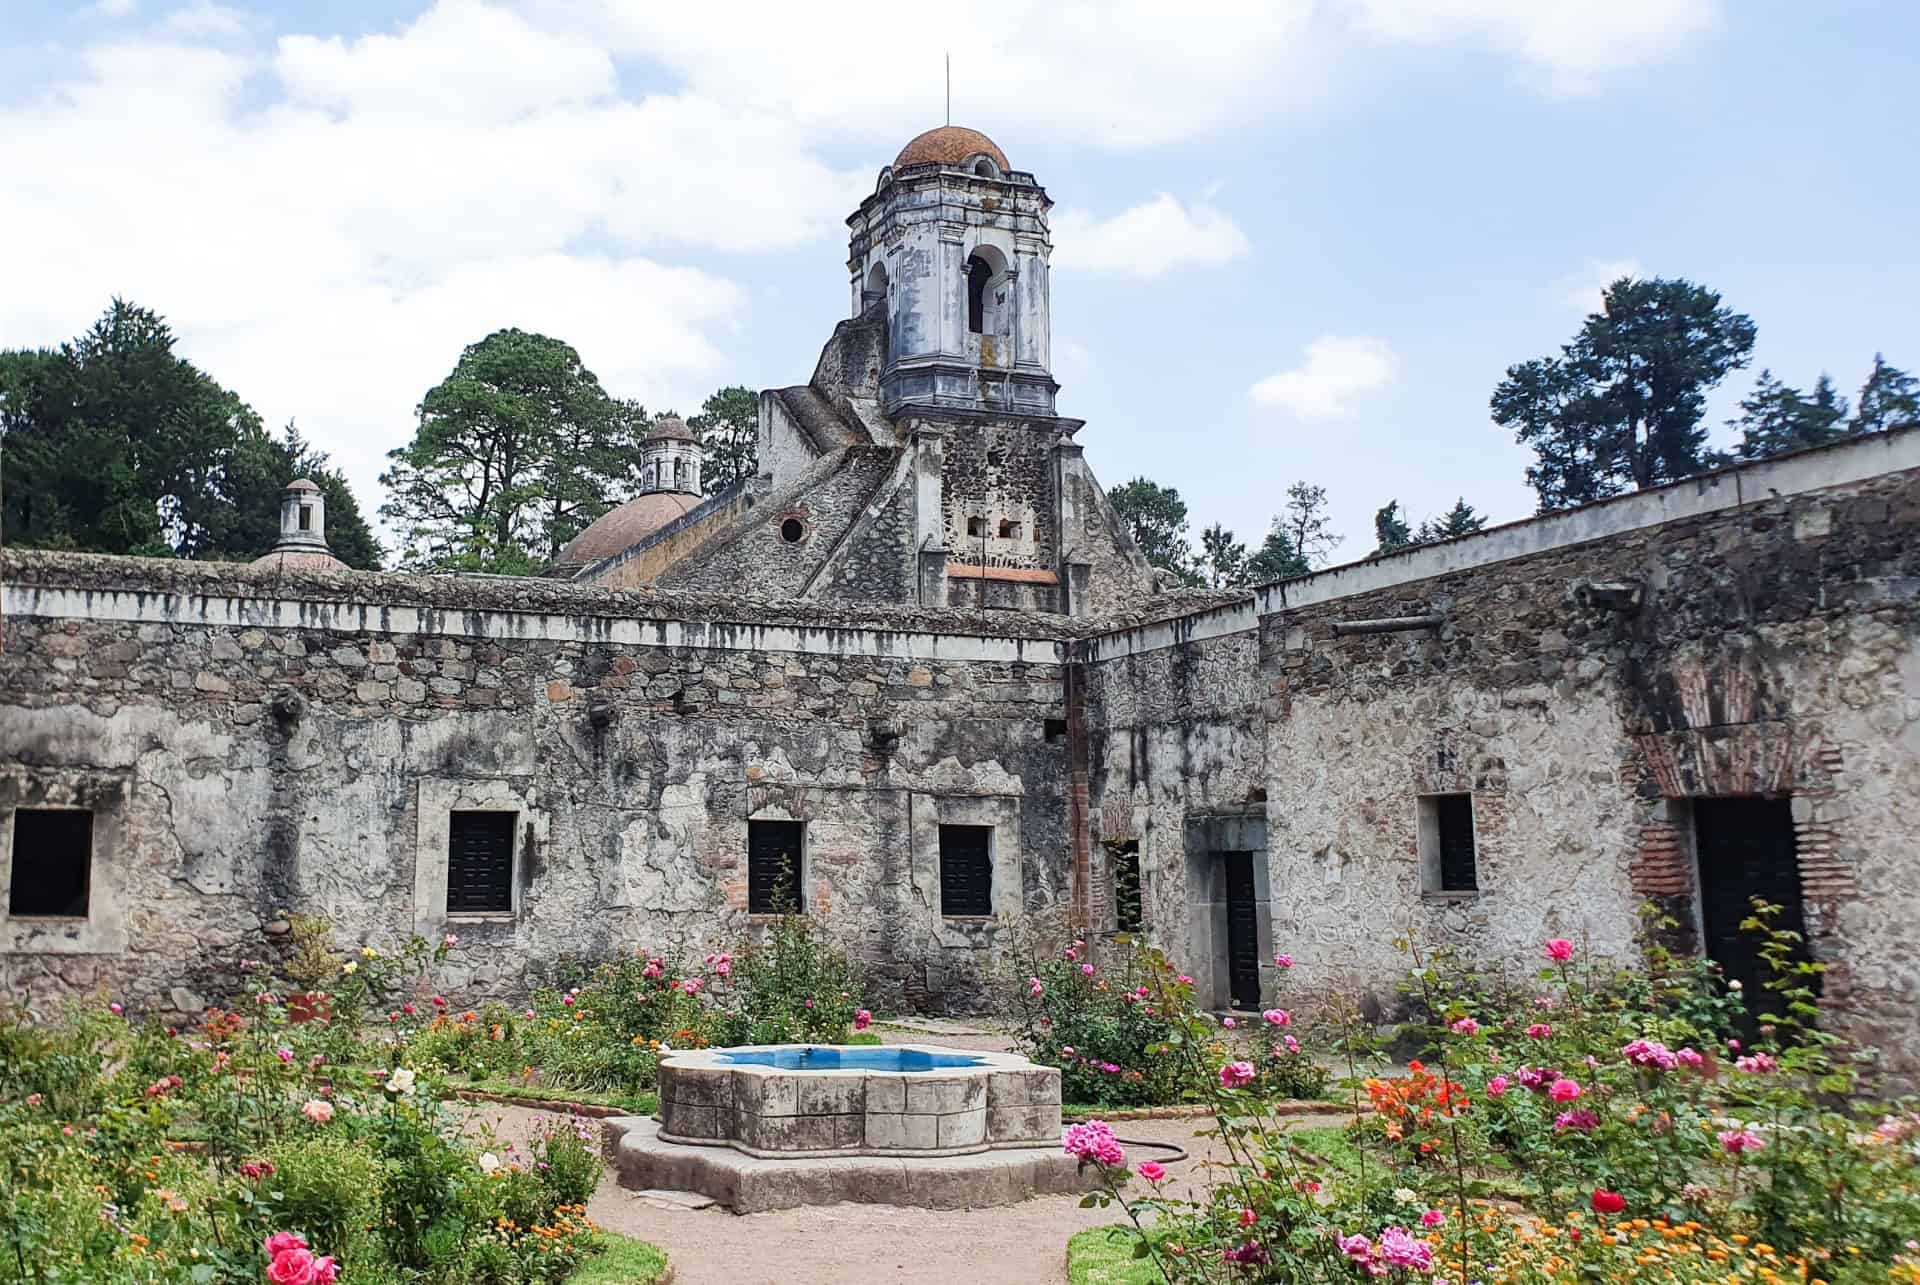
793	987
326	1187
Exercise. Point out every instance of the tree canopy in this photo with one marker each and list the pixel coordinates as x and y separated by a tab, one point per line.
1156	517
1776	417
517	451
116	444
1620	408
728	426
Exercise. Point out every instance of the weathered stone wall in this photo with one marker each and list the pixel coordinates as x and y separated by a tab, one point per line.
1770	651
1000	474
255	746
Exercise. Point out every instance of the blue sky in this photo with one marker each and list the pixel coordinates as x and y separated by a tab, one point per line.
1293	240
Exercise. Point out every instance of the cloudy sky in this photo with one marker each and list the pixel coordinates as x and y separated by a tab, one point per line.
1294	238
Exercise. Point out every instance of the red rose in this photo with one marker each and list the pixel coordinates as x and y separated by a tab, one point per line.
1608	1202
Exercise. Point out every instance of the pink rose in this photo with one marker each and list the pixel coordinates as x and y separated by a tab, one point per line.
1738	1141
692	987
1034	988
1564	1090
1277	1017
1293	1045
317	1111
282	1241
325	1270
723	967
1539	1031
1283	961
284	1054
293	1267
1248	1218
1152	1170
1086	970
862	1019
1560	950
1466	1026
1227	1022
1497	1086
1432	1218
1235	1074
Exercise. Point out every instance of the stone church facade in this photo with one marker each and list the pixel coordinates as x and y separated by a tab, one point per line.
915	676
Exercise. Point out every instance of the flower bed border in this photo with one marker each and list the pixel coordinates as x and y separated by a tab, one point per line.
1196	1110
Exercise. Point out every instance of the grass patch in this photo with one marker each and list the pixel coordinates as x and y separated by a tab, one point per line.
1104	1256
637	1103
863	1037
624	1261
1332	1146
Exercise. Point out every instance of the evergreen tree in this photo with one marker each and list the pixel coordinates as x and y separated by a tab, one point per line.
1889	399
1775	418
1156	517
517	451
1300	538
1458	520
728	426
1223	559
1620	407
116	444
1390	530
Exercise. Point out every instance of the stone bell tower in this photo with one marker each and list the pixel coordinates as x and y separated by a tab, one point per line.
956	242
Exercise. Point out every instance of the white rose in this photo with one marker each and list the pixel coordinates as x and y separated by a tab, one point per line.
489	1162
1405	1196
402	1082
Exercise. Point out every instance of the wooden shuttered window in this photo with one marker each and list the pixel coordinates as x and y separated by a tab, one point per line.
966	870
1459	871
773	868
480	862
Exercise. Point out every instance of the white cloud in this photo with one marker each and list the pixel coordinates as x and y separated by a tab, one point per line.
1149	239
206	18
460	60
1570	46
1336	371
1581	291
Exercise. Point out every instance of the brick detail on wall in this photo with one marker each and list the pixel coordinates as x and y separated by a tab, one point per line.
1663	863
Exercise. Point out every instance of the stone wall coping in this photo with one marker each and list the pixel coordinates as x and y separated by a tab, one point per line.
1819	468
233	596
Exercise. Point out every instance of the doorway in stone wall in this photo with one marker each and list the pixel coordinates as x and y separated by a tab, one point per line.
1243	931
1745	848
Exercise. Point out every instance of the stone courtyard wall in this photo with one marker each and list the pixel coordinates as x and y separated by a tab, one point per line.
1594	673
253	746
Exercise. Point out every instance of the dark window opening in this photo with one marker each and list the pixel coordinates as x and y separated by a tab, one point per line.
792	529
1056	729
979	272
306	517
679	472
480	862
966	869
1243	931
52	862
983	168
1126	886
1747	850
976	526
1009	530
773	868
1453	825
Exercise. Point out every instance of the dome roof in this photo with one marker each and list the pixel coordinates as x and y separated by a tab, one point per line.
618	530
950	145
301	484
301	560
670	428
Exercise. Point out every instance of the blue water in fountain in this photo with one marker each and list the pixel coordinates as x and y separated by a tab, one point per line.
805	1057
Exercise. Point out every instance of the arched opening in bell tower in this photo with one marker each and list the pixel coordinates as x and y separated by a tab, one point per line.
875	290
979	276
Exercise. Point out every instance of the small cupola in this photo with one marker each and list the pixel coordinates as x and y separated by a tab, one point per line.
670	458
303	530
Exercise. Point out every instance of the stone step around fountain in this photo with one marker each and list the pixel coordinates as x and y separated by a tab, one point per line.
749	1184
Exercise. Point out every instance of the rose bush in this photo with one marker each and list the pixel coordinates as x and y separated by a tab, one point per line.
1594	1125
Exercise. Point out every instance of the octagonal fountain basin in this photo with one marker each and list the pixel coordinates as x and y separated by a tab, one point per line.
802	1100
